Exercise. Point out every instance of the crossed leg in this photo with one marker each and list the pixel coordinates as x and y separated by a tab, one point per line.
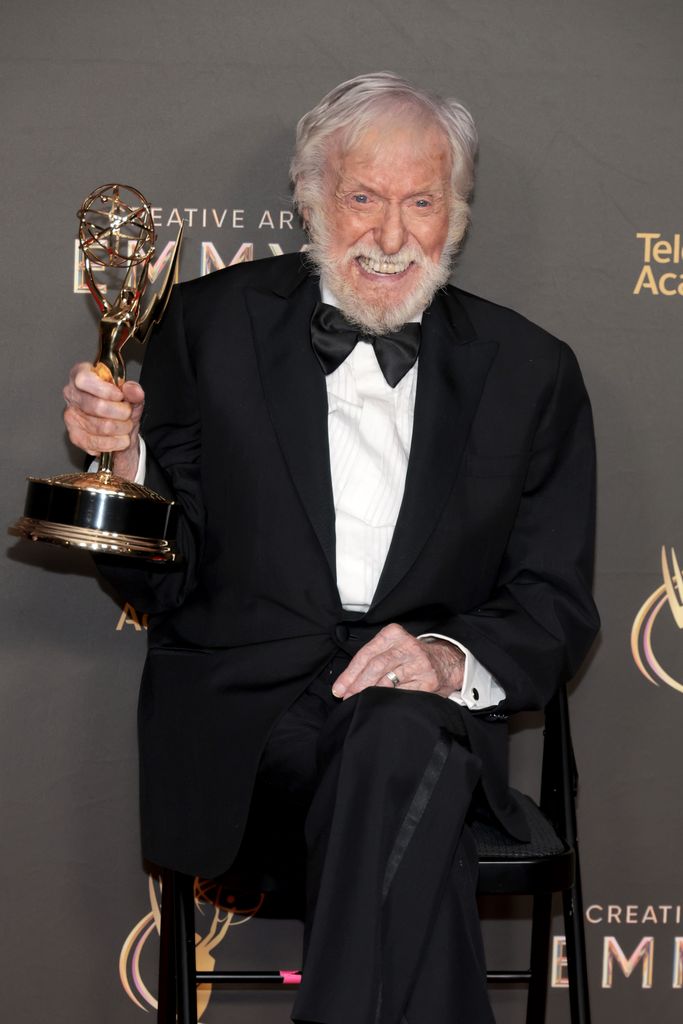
392	930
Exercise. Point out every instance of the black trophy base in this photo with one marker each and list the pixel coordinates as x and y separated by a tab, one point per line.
99	512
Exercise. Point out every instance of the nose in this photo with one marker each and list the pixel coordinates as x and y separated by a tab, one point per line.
390	232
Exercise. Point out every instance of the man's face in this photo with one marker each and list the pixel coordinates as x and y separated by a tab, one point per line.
386	224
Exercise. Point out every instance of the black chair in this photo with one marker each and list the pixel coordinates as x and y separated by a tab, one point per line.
546	865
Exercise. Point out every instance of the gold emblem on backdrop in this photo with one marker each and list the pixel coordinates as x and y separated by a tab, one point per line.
217	912
668	595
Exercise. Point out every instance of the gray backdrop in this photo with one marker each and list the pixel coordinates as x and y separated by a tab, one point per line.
578	104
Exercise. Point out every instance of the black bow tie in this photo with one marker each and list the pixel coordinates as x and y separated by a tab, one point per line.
334	338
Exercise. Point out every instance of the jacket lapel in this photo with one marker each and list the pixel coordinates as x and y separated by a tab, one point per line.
295	394
452	369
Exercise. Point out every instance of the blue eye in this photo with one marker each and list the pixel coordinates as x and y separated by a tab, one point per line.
423	203
360	198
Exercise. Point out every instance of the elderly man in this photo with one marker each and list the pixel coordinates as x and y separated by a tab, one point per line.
386	515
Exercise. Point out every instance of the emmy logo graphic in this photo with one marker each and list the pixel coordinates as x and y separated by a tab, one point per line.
642	648
220	912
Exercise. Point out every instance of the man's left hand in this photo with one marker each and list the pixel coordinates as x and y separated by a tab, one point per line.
436	667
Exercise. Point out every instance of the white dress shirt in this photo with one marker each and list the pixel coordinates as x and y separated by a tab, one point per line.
370	427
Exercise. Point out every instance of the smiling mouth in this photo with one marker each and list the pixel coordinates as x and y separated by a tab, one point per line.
385	268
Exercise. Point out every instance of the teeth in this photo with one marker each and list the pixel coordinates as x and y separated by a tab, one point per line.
382	267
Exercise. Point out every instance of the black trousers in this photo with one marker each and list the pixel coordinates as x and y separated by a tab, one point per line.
381	785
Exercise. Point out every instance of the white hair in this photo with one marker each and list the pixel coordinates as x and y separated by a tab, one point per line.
354	106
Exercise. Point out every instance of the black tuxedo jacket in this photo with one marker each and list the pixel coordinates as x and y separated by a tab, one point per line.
493	544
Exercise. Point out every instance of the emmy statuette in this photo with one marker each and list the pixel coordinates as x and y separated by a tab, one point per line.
99	511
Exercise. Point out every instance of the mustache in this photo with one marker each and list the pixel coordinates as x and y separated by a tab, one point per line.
407	254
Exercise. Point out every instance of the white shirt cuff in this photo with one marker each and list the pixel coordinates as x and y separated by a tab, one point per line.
142	461
479	688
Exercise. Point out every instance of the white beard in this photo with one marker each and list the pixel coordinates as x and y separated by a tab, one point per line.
379	317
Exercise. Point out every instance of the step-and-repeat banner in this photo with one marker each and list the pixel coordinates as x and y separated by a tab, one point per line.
577	223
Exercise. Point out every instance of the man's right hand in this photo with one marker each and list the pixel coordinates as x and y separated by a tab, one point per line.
100	417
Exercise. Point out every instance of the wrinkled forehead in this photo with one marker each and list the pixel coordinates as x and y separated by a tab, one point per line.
382	131
393	154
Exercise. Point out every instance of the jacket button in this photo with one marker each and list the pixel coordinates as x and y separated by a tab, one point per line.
475	693
341	633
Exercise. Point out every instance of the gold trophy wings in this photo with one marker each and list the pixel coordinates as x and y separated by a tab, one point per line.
99	511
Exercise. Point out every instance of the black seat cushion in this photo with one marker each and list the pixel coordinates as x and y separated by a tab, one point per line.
495	844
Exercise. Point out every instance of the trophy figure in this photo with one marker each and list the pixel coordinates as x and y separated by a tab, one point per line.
99	511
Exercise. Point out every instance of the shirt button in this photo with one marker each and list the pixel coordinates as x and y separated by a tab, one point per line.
475	694
341	633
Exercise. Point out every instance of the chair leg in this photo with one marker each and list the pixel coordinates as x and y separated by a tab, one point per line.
167	988
540	958
184	941
577	968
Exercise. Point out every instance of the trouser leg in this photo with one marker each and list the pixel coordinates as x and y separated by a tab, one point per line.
450	984
391	873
